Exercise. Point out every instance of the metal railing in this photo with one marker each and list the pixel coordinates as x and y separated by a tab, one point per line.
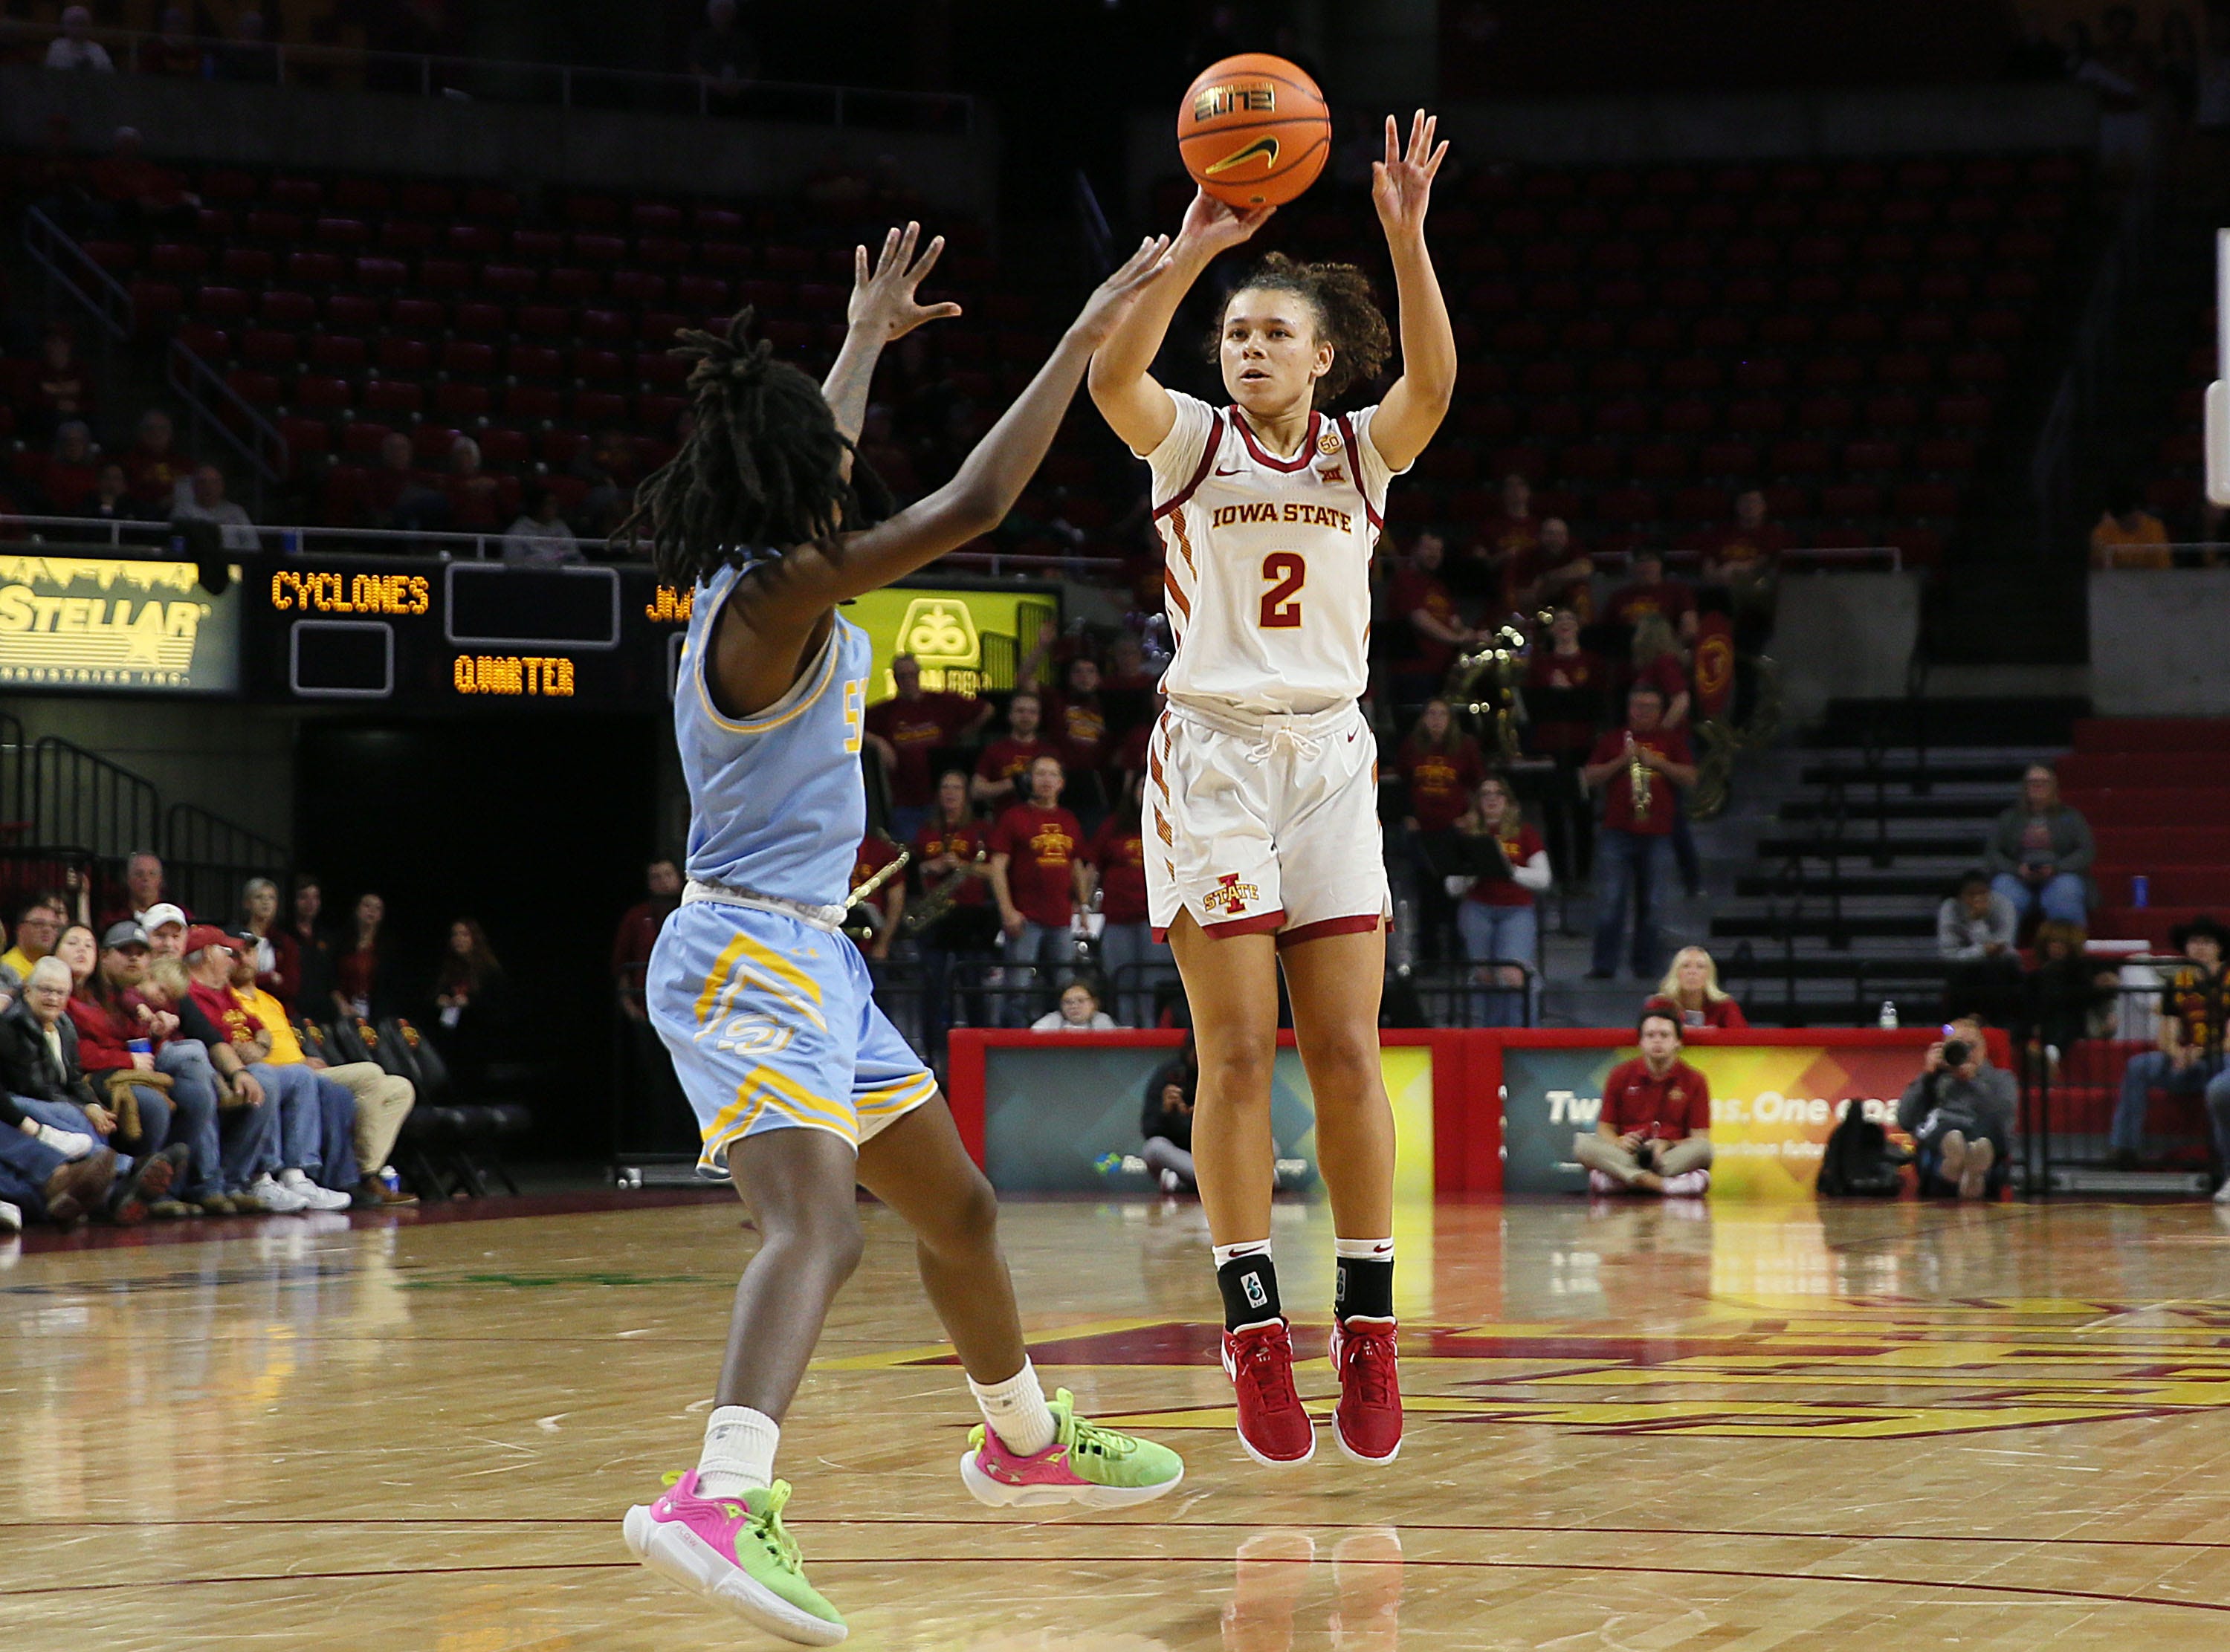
207	859
2076	1059
79	797
214	405
569	85
70	268
2178	554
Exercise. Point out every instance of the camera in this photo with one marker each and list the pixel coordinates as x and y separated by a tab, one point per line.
1957	1052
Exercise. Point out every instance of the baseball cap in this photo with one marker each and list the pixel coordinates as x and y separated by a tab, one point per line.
126	932
162	913
208	934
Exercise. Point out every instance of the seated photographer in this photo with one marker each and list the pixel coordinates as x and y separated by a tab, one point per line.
1166	1119
1960	1113
1654	1135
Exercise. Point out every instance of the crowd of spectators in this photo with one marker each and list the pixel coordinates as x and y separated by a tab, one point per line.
158	1064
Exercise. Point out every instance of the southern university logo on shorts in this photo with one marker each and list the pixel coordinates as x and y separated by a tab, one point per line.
1229	895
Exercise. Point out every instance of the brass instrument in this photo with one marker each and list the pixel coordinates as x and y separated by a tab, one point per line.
862	924
1485	683
1639	780
937	902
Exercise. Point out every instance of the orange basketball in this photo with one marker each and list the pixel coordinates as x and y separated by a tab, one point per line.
1253	130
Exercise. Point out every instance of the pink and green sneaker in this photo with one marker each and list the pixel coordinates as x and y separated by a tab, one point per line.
1085	1463
734	1552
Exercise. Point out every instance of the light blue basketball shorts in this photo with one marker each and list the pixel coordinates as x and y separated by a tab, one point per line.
773	1025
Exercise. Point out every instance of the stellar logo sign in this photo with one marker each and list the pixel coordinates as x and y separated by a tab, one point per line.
112	623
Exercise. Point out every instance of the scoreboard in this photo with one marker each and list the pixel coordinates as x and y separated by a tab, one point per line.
450	634
462	635
431	636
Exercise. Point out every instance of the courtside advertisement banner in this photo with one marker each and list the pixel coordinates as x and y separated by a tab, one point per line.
1773	1107
1055	1112
116	624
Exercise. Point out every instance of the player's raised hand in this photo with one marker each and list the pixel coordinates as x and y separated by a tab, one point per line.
883	297
1112	298
1212	226
1402	184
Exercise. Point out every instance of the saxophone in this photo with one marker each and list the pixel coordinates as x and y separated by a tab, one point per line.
861	921
1639	780
936	903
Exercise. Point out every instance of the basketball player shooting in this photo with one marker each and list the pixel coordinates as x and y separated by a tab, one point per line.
1263	847
802	1087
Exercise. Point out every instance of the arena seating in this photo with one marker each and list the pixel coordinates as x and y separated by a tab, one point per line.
1640	344
2156	793
1647	341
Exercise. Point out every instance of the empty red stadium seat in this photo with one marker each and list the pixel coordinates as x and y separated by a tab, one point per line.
178	258
323	390
533	401
211	344
461	402
356	312
1927	499
546	320
502	446
1964	412
283	307
1944	454
573	285
298	194
1691	373
427	315
599	249
258	389
247	264
467	359
516	280
432	440
532	361
611	325
639	287
306	438
344	232
428	200
336	352
394	396
598	407
544	244
1659	461
318	269
363	436
1850	499
662	250
485	201
380	271
217	303
1728	458
598	364
405	355
445	274
267	347
266	225
659	411
1871	456
361	195
406	236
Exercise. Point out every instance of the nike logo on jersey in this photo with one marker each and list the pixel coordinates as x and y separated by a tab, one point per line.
1233	471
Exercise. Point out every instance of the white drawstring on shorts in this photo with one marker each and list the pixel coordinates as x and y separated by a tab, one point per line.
1287	734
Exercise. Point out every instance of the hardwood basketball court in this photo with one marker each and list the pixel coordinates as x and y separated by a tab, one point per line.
1631	1427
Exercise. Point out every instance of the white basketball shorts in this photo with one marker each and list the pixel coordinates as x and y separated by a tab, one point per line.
1268	825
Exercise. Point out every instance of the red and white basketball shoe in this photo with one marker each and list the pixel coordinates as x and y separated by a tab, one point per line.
1272	1425
1368	1421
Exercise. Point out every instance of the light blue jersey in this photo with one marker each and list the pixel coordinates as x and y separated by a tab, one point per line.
772	1019
776	804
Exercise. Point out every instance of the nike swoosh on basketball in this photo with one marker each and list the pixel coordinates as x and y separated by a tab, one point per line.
1265	147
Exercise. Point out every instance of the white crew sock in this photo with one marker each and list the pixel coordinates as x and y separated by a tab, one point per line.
739	1455
1245	1248
1016	1412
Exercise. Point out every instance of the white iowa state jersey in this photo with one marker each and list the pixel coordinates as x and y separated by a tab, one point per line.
1269	568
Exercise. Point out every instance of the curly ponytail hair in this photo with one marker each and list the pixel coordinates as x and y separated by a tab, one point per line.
762	470
1347	317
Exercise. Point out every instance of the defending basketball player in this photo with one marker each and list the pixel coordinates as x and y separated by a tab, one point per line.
1264	848
802	1087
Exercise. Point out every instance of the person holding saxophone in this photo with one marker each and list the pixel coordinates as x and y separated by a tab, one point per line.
1635	770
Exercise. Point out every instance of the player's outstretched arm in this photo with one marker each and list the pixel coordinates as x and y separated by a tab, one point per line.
1136	408
1402	187
800	587
882	310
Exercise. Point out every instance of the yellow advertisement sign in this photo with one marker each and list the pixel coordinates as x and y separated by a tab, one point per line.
115	623
967	642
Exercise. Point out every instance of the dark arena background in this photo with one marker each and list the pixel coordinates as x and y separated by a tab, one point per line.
1831	420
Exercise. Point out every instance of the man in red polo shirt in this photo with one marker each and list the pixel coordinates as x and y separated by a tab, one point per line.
1654	1135
1651	592
905	732
1039	878
1636	828
999	775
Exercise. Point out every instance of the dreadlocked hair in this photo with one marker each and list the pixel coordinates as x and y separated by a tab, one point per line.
763	470
1347	317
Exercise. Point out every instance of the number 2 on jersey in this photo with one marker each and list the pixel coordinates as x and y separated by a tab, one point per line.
1281	603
